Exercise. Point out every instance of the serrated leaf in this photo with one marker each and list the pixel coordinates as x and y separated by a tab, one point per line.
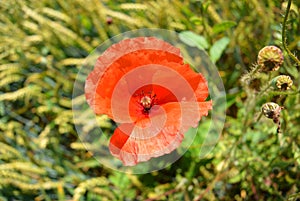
218	48
223	26
194	40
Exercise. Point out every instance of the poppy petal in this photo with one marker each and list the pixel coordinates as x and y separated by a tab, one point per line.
115	52
129	54
120	137
158	135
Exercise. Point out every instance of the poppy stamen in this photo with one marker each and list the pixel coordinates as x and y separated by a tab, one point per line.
147	101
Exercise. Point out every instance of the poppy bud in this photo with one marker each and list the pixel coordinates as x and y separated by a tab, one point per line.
282	82
270	58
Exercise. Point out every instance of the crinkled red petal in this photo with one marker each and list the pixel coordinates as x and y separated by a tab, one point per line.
157	135
130	54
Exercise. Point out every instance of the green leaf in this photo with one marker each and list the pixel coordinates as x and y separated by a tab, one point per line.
119	179
218	48
236	176
196	20
193	40
223	26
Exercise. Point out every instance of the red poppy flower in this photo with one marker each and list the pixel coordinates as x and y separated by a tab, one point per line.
143	84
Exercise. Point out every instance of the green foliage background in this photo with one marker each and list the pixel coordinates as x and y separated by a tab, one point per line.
42	46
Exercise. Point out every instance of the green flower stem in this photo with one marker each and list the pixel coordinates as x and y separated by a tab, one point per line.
288	93
250	104
284	38
259	117
260	94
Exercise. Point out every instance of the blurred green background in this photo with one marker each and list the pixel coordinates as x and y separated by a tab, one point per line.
42	47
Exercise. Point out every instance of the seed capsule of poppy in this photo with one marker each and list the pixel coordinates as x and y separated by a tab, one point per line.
270	58
271	110
282	82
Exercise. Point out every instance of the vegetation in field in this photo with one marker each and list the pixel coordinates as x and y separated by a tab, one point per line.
43	45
